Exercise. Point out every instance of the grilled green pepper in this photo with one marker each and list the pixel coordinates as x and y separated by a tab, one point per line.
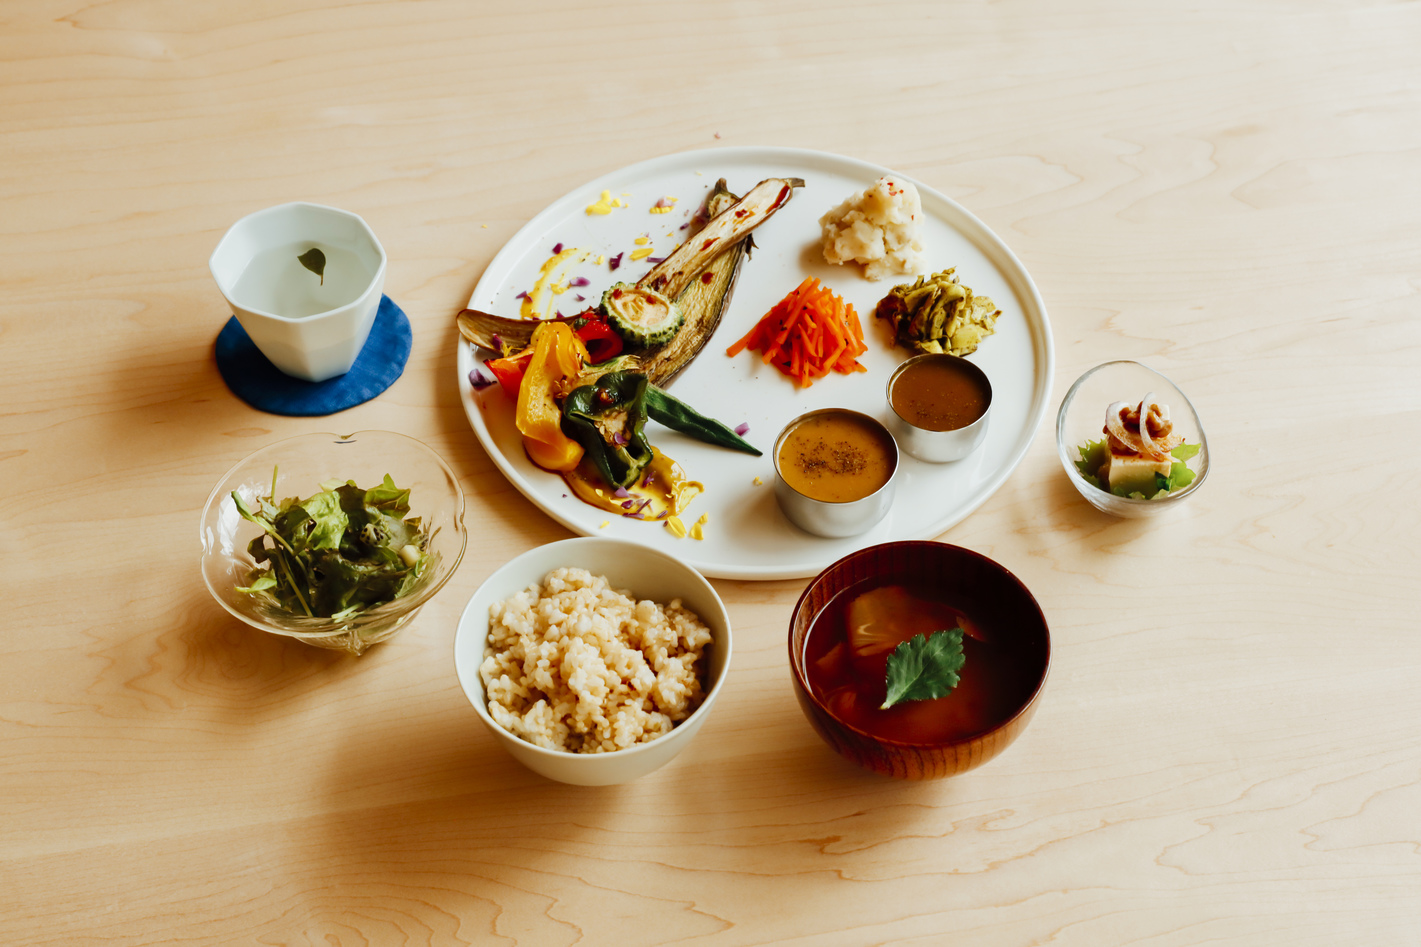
607	418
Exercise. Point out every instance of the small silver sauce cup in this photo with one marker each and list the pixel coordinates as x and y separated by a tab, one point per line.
828	518
938	447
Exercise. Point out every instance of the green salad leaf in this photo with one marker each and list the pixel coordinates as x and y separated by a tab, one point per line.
338	552
1092	459
925	667
1093	456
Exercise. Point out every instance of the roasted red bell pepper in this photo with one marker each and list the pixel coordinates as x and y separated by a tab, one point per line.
601	341
509	370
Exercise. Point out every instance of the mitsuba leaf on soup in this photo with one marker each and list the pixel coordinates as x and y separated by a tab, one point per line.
925	667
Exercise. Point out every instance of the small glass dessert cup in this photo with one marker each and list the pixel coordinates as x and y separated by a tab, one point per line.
919	380
305	281
301	464
1082	419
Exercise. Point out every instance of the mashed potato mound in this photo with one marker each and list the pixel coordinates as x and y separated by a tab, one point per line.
578	666
878	228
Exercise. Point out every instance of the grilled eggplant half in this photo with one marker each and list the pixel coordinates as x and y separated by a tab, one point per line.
674	274
704	301
699	276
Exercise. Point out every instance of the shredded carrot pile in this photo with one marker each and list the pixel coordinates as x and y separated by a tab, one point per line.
807	334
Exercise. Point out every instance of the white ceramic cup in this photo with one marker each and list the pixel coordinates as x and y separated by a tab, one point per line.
306	341
648	574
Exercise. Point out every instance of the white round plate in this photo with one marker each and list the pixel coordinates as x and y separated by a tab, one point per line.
746	536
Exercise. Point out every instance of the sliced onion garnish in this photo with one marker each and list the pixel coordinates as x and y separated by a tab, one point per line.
621	493
1136	442
480	381
742	428
1152	450
1115	427
1148	447
1159	417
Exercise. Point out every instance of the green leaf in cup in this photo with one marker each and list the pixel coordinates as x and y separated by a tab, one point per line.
315	261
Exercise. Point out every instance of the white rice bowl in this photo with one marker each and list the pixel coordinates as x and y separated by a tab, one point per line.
576	665
650	575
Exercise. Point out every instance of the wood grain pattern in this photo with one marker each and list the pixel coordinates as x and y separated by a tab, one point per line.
1226	751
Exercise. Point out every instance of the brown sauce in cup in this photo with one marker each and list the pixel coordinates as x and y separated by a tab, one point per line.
939	395
837	457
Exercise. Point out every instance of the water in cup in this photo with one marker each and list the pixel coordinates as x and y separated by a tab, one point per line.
276	281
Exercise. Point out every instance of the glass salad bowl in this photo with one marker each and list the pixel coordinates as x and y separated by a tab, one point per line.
303	467
1081	423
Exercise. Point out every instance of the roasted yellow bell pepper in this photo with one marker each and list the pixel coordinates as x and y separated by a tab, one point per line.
558	355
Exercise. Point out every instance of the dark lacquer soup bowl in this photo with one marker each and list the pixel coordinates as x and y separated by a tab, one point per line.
844	651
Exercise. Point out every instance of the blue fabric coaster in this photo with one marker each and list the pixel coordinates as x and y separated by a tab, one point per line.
253	378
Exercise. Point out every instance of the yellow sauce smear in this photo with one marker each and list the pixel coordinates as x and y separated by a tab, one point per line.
552	281
663	485
604	204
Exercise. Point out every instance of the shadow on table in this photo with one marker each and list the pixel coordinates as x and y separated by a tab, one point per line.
440	805
197	658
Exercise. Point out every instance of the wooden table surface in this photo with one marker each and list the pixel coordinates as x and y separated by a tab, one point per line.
1227	747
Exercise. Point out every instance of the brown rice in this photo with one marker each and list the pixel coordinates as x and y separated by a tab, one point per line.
576	665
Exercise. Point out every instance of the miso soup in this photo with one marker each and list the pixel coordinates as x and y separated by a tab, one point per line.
846	660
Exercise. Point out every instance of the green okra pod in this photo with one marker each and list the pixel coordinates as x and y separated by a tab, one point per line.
669	410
